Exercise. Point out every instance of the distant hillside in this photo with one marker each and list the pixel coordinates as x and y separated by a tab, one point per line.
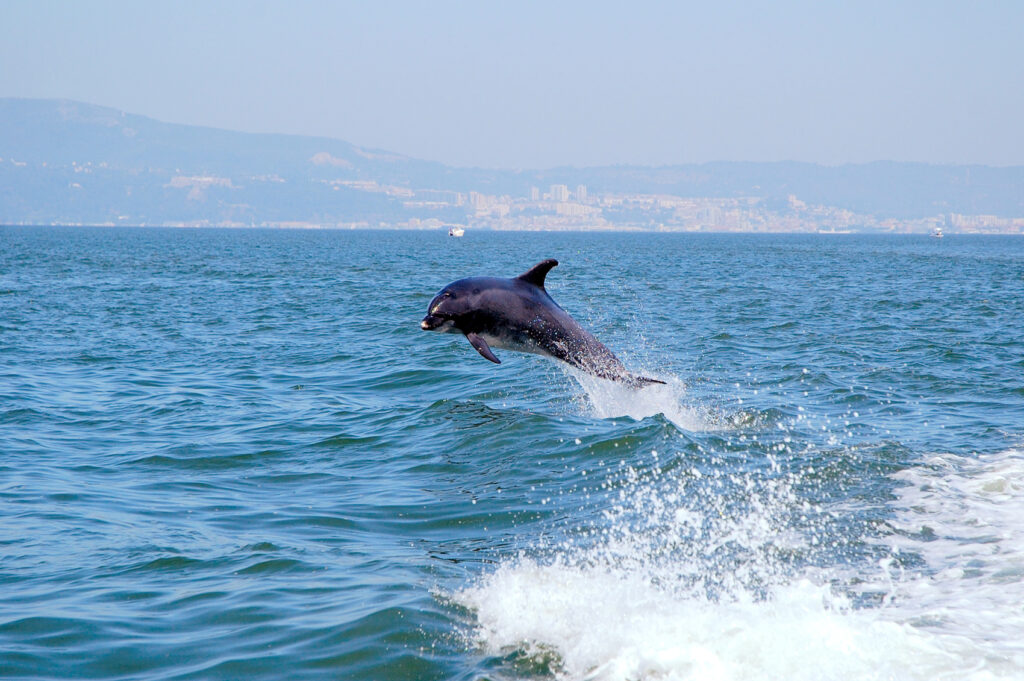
68	162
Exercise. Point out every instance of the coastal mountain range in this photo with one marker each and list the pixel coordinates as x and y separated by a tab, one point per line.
67	162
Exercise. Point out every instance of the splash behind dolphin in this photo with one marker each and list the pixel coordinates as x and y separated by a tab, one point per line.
518	314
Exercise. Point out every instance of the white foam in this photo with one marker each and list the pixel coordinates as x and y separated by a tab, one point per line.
612	399
681	584
611	624
965	517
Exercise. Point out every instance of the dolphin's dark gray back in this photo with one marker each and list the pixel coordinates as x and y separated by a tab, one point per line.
564	338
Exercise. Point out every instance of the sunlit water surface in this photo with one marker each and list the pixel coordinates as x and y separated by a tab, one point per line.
234	454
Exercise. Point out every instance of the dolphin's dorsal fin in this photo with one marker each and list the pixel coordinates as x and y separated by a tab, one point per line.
537	273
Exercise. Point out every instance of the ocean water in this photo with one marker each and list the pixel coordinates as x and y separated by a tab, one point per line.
234	454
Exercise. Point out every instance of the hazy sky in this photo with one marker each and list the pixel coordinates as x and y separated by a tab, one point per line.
538	84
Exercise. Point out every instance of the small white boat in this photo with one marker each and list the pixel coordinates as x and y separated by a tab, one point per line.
456	231
937	233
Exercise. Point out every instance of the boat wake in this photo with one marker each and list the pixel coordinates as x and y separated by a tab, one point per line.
683	582
964	516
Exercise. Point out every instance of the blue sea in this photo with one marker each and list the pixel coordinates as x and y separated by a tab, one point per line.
235	455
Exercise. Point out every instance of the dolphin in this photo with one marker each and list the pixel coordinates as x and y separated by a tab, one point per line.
518	314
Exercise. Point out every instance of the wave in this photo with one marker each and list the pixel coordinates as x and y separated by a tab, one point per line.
681	581
604	623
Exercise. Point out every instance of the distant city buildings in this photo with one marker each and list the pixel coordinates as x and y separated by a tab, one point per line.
560	209
556	209
559	192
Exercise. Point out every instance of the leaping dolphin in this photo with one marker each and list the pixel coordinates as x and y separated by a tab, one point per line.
518	314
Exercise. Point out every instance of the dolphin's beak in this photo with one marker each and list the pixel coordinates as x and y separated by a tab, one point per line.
431	322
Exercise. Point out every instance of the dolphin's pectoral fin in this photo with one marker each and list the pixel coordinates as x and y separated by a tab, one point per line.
537	273
482	347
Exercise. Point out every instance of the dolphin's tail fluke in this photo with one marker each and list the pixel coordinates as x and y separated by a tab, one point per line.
642	381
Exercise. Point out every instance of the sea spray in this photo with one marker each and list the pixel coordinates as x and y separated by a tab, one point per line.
611	399
678	584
